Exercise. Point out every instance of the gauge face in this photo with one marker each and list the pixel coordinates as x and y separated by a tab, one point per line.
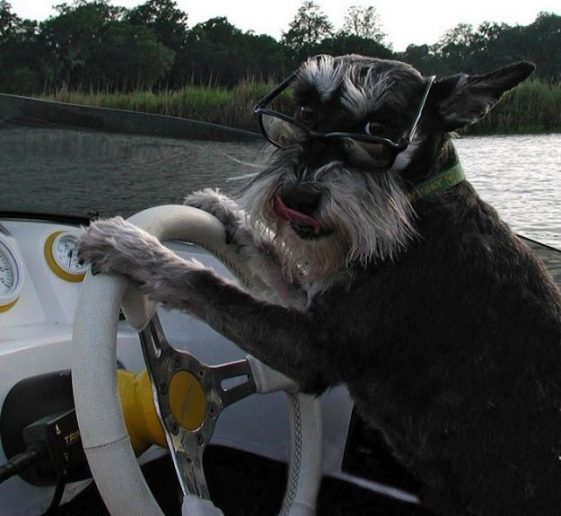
65	250
6	273
11	277
61	252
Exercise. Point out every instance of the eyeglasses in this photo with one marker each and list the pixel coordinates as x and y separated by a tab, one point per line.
377	152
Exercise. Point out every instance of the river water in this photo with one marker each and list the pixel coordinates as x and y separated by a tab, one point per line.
62	171
521	177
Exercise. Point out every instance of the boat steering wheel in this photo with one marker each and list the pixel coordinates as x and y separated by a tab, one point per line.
187	427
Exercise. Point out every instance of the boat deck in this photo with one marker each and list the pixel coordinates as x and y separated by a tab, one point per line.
243	484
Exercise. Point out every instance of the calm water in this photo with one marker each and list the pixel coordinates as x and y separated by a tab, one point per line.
521	177
74	172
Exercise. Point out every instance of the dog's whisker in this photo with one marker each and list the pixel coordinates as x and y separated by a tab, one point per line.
243	177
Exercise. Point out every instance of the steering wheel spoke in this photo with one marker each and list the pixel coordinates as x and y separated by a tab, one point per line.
189	396
187	402
155	345
187	449
233	381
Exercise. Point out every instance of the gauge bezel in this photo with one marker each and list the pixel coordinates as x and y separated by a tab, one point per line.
55	265
9	299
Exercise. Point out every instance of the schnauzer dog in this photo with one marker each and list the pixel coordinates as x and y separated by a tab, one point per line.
393	278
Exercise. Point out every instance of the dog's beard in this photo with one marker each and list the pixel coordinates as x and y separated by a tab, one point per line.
307	260
366	217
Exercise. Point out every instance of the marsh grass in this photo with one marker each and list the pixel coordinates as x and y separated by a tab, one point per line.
532	107
191	102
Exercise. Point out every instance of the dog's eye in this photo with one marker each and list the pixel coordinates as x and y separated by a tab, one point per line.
376	128
306	114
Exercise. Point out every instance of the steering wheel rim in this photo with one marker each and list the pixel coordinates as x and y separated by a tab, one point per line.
104	436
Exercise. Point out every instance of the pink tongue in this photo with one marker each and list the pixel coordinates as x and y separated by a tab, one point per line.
286	213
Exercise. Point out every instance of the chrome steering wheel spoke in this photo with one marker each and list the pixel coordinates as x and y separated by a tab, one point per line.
189	396
233	381
186	402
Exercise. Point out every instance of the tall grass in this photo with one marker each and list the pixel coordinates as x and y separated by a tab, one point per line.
231	107
532	107
192	102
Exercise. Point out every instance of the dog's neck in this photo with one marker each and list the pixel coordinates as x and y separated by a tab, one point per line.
428	157
442	181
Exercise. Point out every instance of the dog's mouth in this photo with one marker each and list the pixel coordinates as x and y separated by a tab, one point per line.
305	226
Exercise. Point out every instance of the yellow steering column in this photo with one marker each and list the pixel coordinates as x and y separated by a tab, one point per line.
137	404
186	400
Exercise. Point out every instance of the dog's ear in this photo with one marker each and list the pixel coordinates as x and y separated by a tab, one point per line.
463	99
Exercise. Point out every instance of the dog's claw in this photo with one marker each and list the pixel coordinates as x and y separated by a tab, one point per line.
229	237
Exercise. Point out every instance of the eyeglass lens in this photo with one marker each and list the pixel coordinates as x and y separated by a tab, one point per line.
280	132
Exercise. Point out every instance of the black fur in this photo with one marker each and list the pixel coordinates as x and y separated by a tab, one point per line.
452	347
459	364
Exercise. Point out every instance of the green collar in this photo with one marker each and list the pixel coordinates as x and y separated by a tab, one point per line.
440	183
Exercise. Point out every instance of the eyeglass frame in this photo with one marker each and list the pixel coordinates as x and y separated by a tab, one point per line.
259	110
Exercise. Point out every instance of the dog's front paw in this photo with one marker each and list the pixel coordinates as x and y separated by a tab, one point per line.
220	206
113	245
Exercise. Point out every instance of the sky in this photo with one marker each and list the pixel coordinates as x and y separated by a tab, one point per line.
404	22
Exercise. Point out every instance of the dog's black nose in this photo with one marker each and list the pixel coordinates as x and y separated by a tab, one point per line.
301	198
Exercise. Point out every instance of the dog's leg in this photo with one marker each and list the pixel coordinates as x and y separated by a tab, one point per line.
257	250
279	336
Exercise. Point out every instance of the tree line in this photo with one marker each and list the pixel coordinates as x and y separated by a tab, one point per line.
90	45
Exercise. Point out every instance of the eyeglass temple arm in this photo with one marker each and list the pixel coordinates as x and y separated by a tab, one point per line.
419	113
277	91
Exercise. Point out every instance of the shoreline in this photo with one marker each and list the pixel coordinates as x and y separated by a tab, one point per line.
534	107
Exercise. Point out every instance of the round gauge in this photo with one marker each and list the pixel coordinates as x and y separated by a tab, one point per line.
11	276
61	253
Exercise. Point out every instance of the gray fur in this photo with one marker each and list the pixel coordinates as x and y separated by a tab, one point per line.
370	216
323	74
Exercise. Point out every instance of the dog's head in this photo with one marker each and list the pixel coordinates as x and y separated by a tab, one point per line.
366	131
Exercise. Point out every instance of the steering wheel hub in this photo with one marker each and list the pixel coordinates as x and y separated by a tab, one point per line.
187	400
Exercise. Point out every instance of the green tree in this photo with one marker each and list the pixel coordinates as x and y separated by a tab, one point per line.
217	52
493	45
130	57
165	19
343	43
93	45
169	24
17	53
69	40
543	41
214	52
363	22
306	30
9	21
455	47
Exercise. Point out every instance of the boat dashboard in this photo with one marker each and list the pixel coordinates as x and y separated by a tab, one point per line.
40	278
39	275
